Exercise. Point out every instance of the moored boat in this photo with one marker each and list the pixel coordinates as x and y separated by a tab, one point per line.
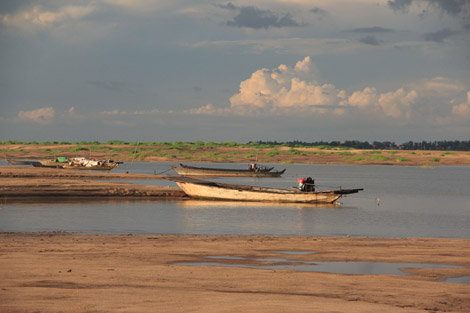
253	171
58	162
203	189
21	162
78	164
85	164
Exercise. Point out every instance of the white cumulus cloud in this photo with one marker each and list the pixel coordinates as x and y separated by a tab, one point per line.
295	90
395	104
284	88
398	104
38	17
42	115
462	109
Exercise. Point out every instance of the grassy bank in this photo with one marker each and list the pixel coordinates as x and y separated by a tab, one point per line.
230	152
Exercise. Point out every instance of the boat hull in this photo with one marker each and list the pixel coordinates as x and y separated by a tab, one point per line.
196	171
217	192
48	165
21	162
89	168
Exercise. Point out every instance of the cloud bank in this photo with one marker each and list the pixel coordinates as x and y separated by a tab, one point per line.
296	91
252	17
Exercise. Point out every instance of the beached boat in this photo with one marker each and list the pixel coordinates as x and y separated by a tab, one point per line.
58	162
254	171
78	164
85	164
203	189
89	168
21	162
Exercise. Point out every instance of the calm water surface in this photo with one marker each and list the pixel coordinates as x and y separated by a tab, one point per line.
398	201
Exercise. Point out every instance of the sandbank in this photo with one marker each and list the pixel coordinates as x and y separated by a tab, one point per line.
59	272
20	183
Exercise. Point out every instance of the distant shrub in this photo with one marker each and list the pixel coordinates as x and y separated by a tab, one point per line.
76	149
435	160
272	153
94	148
356	158
115	142
210	145
381	158
324	147
447	153
230	144
402	159
293	151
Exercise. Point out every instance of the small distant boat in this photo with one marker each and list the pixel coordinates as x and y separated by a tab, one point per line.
58	162
203	189
21	162
48	165
254	171
78	164
85	164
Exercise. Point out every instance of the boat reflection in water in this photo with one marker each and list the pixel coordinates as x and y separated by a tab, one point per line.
213	204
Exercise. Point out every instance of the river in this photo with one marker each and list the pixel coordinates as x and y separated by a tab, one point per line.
397	201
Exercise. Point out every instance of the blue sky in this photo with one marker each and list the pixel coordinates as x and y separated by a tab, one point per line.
143	70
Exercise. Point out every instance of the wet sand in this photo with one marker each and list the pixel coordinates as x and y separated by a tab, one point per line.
57	272
19	183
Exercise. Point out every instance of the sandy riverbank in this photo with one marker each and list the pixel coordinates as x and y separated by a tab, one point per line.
20	183
69	273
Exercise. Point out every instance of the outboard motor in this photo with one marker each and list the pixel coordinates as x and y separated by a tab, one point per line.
309	184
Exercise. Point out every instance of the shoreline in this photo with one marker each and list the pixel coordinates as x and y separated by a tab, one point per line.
57	272
186	152
46	184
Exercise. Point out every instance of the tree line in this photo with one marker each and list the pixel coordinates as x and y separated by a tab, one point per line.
455	145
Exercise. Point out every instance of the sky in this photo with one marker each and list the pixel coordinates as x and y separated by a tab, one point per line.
210	70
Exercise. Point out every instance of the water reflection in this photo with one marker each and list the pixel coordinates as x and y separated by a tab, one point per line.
205	204
457	280
414	202
335	267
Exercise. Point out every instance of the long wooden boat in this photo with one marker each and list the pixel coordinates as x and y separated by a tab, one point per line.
21	162
203	189
50	163
78	164
187	170
89	168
